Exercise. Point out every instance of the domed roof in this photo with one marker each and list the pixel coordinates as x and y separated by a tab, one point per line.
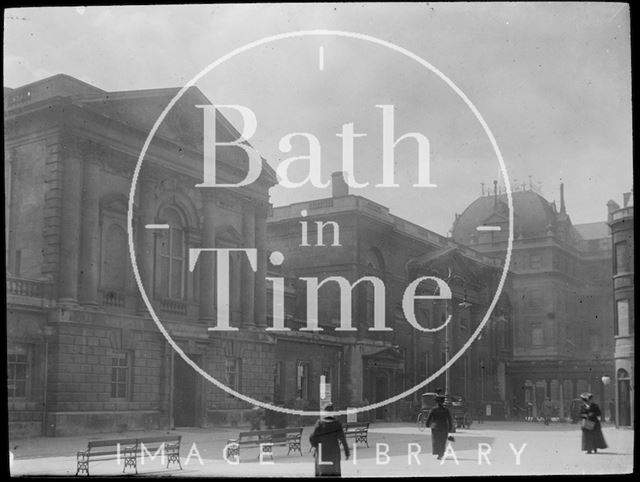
532	216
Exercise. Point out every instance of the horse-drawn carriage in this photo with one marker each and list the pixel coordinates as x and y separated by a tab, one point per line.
460	413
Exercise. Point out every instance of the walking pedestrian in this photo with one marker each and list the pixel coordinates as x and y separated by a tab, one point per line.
592	438
257	414
439	420
547	410
269	416
326	439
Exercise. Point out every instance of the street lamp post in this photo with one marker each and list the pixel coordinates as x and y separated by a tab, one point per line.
446	353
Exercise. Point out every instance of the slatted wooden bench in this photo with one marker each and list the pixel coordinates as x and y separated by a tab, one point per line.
129	450
163	445
266	440
357	430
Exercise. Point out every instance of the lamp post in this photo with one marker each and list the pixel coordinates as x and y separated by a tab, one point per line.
446	353
463	304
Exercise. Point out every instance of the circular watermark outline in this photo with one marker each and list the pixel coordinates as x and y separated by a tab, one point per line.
309	33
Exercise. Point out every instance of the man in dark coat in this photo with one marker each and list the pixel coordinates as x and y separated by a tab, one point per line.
439	420
547	410
592	439
326	439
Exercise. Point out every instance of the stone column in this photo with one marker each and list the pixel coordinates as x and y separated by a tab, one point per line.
206	261
90	232
70	222
145	214
260	282
248	275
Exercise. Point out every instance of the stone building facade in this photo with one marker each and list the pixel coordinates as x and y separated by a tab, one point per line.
560	296
360	238
621	222
83	353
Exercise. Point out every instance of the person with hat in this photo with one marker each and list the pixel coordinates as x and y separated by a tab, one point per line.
439	420
592	438
326	439
547	410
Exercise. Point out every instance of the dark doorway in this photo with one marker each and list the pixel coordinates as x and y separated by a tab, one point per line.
185	392
624	399
382	390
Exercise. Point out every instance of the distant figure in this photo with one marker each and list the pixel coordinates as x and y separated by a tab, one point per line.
257	415
592	438
326	439
529	411
547	410
439	420
269	416
515	409
280	419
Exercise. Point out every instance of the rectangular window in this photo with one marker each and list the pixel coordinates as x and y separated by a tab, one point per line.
170	257
17	371
537	335
622	257
621	327
302	379
120	375
232	371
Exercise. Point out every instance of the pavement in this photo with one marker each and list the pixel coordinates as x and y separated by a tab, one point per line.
395	450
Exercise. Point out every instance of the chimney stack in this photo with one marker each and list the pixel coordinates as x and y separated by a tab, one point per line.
562	206
625	199
339	187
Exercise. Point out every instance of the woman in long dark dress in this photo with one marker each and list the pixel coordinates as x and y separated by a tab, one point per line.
592	440
439	420
326	439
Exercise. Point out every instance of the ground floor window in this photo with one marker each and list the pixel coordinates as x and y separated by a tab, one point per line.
18	368
120	375
302	379
232	371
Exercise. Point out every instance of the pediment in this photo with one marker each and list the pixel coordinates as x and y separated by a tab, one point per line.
183	124
389	353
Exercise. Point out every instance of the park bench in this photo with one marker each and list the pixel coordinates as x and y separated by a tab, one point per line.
266	439
357	430
129	450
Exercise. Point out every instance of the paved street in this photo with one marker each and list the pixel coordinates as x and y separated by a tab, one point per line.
403	451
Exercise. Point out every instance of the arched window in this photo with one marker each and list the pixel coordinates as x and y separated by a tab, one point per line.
170	256
114	263
622	374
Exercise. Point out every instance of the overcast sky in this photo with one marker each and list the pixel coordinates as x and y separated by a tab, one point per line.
552	82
